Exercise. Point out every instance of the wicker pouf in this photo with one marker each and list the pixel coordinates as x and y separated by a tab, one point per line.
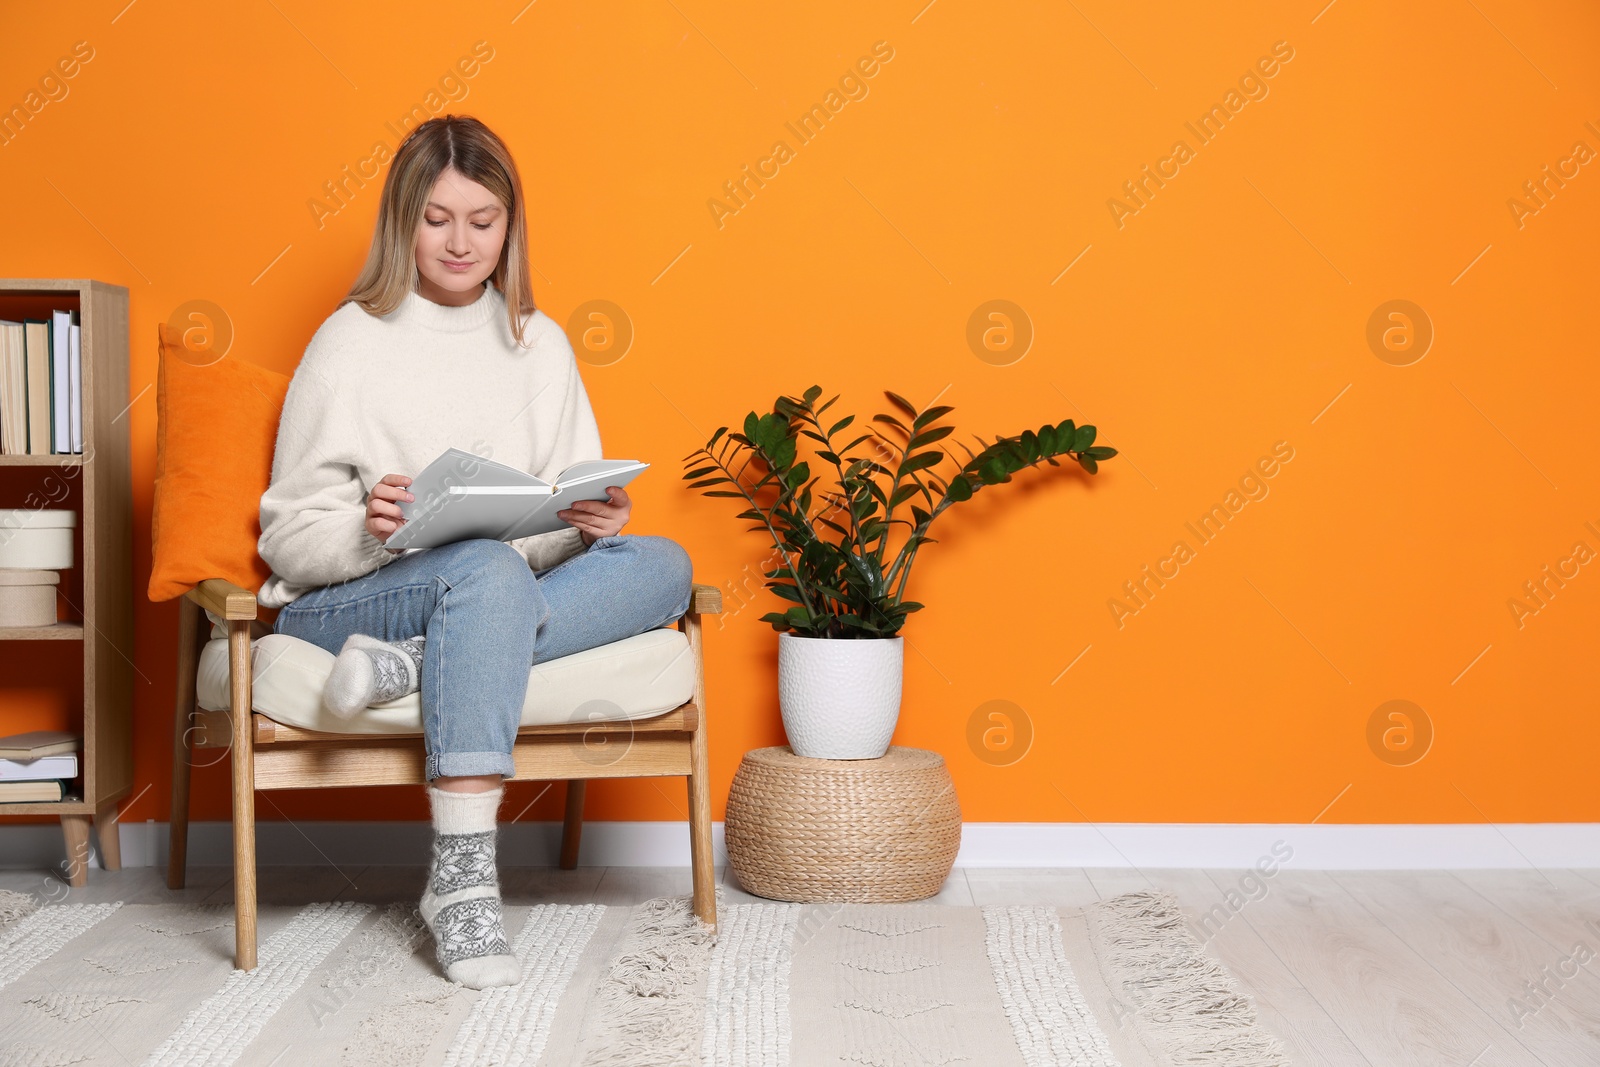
844	831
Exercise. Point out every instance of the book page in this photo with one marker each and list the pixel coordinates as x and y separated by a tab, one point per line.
586	470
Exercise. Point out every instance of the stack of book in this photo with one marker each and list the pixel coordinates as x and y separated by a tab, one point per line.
37	766
41	386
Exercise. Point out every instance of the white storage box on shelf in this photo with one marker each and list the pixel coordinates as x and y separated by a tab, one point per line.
31	539
28	597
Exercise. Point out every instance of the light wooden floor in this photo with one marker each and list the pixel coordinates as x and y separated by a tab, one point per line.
1378	969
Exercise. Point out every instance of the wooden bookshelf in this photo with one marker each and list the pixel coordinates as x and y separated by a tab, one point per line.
103	546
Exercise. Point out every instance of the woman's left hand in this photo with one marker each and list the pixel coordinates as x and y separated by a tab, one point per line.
597	518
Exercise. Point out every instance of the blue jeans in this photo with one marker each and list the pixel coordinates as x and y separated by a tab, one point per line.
489	617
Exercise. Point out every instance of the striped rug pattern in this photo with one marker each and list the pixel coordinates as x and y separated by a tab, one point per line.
345	984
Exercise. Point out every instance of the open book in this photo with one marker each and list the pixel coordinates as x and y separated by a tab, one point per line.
461	496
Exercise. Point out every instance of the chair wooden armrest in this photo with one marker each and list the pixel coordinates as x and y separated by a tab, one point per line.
706	600
222	597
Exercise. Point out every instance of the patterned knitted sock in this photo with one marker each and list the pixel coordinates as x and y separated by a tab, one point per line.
461	903
369	671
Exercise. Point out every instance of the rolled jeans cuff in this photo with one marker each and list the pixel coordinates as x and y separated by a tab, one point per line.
467	764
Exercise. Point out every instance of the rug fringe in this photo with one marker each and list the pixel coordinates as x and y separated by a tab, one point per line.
1200	1014
647	1007
14	906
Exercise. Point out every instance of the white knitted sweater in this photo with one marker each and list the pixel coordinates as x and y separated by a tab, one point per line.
377	395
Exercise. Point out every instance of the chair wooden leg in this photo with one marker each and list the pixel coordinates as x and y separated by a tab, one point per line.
109	830
244	798
75	828
189	616
572	824
702	863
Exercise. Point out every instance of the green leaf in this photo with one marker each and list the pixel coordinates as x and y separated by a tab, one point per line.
835	527
920	461
1084	439
841	424
1101	452
902	494
1087	462
892	421
857	441
928	416
905	405
928	437
960	488
812	394
867	567
783	452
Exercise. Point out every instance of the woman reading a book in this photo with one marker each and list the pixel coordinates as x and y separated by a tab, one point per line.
438	345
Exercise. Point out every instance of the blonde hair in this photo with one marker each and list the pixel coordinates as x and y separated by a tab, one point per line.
469	146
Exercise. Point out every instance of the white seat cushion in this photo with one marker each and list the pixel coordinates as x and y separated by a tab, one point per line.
636	678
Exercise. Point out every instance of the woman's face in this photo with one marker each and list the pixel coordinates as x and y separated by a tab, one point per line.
459	239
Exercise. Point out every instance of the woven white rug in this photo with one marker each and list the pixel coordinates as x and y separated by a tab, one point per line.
1119	983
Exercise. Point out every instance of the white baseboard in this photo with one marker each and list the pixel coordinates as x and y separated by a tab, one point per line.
1318	846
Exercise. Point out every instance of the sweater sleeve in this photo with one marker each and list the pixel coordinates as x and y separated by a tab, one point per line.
577	437
313	514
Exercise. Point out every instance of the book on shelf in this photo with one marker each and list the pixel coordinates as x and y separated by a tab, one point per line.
461	496
41	382
23	792
37	743
74	419
64	765
13	378
37	340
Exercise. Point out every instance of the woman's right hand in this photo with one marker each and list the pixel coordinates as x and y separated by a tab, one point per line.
383	514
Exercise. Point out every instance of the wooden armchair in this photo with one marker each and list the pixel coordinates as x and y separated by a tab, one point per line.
267	754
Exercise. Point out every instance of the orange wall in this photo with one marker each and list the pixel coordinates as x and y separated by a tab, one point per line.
1227	314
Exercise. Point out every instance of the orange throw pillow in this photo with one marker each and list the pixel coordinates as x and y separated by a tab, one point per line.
217	425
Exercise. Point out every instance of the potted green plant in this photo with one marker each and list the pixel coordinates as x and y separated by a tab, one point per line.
840	661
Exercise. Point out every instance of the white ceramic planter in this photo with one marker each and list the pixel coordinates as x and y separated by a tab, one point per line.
840	697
